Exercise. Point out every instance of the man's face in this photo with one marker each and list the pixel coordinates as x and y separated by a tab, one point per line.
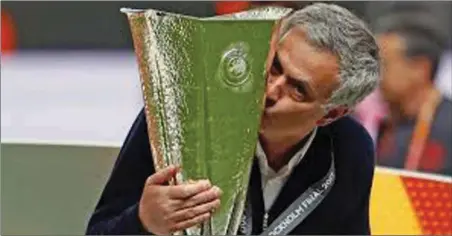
399	73
300	79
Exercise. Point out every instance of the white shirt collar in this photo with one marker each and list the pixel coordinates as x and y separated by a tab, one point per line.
287	169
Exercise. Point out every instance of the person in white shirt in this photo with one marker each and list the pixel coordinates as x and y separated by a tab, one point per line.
444	75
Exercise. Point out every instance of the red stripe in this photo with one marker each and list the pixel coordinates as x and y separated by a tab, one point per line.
228	7
8	32
432	202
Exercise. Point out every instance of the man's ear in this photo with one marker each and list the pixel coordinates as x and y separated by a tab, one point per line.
333	115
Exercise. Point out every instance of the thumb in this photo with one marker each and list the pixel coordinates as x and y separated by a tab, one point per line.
162	176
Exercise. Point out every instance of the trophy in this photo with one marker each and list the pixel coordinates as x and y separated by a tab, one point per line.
203	84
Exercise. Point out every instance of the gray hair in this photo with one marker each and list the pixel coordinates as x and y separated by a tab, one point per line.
336	29
420	31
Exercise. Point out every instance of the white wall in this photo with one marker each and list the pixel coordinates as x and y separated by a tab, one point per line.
69	97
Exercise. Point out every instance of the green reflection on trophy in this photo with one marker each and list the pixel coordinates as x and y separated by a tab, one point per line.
203	84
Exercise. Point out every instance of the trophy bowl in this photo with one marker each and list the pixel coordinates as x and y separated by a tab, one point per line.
203	84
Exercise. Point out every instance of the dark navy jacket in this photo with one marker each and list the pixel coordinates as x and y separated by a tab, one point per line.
345	210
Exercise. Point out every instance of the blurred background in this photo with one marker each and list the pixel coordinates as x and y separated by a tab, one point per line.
70	92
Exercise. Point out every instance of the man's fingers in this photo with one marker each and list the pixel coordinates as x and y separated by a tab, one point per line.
162	176
185	191
192	212
190	223
201	198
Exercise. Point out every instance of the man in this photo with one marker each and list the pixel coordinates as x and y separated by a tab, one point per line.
323	62
417	134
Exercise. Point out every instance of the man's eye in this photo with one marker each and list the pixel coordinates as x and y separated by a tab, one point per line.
275	70
298	93
300	89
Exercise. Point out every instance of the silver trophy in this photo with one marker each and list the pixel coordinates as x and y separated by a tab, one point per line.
203	83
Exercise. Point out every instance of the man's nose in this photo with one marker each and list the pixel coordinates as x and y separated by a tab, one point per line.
275	87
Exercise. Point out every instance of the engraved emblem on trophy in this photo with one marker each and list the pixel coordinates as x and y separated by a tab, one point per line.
235	63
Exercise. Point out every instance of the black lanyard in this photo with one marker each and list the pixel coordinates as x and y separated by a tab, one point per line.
299	209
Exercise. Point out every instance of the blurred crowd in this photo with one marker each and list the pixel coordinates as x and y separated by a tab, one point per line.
409	117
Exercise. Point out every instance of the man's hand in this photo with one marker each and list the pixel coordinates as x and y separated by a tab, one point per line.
167	209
